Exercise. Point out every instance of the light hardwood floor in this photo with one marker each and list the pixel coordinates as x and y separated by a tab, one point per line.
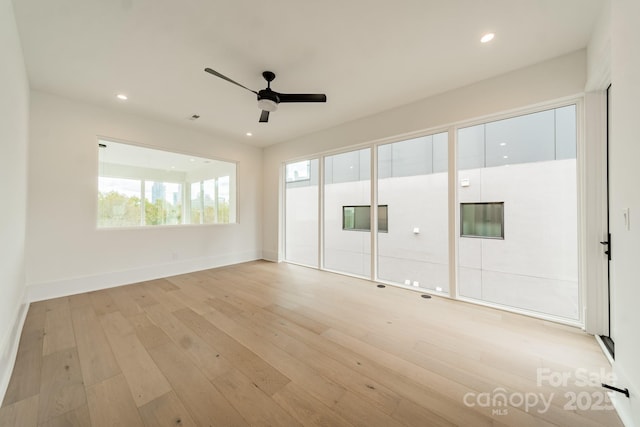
282	345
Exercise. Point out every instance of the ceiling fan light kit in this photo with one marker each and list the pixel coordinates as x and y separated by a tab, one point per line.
268	99
267	105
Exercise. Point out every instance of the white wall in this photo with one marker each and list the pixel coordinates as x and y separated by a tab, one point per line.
346	251
418	201
535	267
625	194
66	253
14	116
599	51
557	78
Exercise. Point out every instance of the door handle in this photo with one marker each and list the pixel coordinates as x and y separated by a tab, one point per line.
608	251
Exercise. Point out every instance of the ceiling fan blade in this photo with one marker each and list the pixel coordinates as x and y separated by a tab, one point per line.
302	97
217	74
264	117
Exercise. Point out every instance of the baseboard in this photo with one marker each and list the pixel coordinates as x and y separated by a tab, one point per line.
623	408
10	347
78	285
270	256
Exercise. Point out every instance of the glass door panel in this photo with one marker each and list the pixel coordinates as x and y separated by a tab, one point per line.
301	212
413	246
517	194
347	203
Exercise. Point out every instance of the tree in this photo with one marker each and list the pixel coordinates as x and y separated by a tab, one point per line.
118	210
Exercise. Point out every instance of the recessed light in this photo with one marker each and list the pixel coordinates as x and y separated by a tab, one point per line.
249	134
502	144
122	96
505	157
173	167
487	38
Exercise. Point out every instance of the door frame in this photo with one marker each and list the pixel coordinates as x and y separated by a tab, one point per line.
594	213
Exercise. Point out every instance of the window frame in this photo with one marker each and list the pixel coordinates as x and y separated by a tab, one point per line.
380	230
477	236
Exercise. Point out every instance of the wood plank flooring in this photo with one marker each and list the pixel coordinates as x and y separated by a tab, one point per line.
281	345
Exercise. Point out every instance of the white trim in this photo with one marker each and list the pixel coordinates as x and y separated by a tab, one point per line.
280	255
623	408
452	207
343	273
529	313
299	264
581	188
320	212
77	285
594	214
10	346
373	210
270	256
282	208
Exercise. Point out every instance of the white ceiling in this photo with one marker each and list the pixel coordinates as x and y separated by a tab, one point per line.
367	56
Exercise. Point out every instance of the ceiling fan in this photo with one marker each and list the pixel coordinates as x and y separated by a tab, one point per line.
268	99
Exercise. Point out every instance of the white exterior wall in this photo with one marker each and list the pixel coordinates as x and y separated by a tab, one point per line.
67	254
418	201
14	117
346	251
535	267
